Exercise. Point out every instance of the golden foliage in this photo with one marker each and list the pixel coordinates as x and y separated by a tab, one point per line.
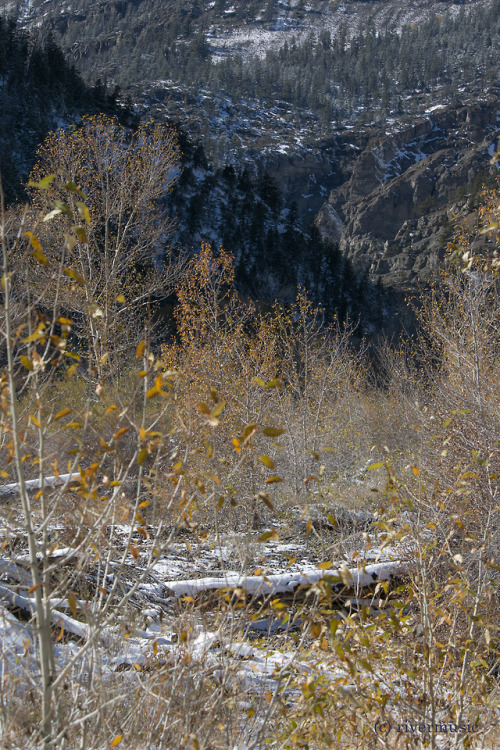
275	381
99	227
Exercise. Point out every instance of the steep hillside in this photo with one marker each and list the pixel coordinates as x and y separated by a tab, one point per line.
392	214
39	91
273	252
258	80
97	31
306	65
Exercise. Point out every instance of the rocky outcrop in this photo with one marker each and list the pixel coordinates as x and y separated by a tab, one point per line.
392	214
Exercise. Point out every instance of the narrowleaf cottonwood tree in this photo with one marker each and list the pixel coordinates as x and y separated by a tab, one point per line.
227	354
110	184
81	507
255	366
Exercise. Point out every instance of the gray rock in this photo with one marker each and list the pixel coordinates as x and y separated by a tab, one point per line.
391	215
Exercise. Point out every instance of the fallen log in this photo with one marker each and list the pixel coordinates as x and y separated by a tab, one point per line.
26	605
33	485
353	579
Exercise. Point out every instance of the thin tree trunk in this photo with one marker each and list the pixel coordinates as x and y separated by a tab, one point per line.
43	624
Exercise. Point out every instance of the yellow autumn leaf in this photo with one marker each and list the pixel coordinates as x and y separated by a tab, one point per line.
273	480
83	211
218	409
43	184
267	462
272	431
249	431
141	348
120	432
72	187
34	241
74	275
28	364
69	242
141	456
72	604
80	233
62	413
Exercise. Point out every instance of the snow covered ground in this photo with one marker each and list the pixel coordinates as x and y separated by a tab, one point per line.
285	568
246	610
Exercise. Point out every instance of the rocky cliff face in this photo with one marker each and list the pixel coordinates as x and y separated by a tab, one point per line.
391	216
